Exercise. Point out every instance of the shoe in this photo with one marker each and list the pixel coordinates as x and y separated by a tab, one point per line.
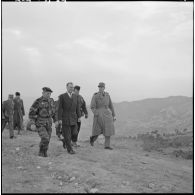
41	152
109	148
91	141
64	144
71	152
45	153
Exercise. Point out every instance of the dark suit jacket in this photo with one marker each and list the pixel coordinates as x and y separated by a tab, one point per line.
68	109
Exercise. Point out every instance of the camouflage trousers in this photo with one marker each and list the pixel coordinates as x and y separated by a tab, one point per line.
10	124
44	132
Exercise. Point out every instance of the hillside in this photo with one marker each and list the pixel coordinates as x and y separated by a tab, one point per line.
162	114
126	169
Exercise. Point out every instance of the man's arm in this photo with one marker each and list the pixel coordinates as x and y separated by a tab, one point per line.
34	111
111	107
84	108
93	105
53	110
59	111
23	112
78	111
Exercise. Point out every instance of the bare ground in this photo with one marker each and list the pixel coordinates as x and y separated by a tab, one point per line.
126	169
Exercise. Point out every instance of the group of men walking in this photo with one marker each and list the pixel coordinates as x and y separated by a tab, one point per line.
12	114
66	113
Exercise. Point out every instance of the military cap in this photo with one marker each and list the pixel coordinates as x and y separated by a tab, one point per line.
10	95
17	93
101	84
47	89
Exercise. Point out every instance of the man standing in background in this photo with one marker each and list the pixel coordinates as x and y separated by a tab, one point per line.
83	110
18	112
7	115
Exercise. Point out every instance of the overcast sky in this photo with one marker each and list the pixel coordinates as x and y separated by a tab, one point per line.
139	49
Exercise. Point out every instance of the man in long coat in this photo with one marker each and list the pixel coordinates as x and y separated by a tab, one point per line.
7	115
68	115
104	116
18	112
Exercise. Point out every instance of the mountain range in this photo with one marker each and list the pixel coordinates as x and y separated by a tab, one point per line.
162	114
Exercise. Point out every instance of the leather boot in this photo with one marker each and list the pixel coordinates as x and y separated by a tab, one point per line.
41	152
45	153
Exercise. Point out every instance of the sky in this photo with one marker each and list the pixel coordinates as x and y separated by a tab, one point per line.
139	49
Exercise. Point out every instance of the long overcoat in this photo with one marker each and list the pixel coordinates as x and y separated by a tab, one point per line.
103	110
18	111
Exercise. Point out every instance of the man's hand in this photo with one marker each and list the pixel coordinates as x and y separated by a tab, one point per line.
114	118
86	116
59	122
33	127
79	119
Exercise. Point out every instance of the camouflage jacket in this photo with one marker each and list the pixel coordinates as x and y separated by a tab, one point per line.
42	111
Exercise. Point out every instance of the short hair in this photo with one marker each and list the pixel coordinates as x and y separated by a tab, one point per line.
77	87
17	93
69	83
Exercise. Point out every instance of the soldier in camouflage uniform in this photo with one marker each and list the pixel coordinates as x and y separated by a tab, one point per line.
7	115
41	113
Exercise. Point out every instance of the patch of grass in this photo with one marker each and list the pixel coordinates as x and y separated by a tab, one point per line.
157	142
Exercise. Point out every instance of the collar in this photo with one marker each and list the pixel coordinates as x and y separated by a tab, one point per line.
69	94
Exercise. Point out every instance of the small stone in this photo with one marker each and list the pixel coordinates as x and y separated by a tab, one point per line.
20	167
72	179
143	162
59	177
49	163
38	167
151	185
125	183
17	148
146	154
93	174
93	190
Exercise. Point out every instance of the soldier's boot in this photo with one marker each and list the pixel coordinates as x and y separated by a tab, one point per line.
45	153
91	141
41	152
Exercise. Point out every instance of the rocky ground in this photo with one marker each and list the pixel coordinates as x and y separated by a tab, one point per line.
126	169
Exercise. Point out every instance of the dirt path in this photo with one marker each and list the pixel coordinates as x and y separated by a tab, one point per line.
125	169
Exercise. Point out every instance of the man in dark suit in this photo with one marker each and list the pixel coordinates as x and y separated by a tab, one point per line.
68	116
7	115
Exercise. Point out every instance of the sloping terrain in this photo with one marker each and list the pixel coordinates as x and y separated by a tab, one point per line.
127	168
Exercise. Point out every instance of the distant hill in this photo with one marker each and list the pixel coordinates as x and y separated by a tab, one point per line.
163	114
